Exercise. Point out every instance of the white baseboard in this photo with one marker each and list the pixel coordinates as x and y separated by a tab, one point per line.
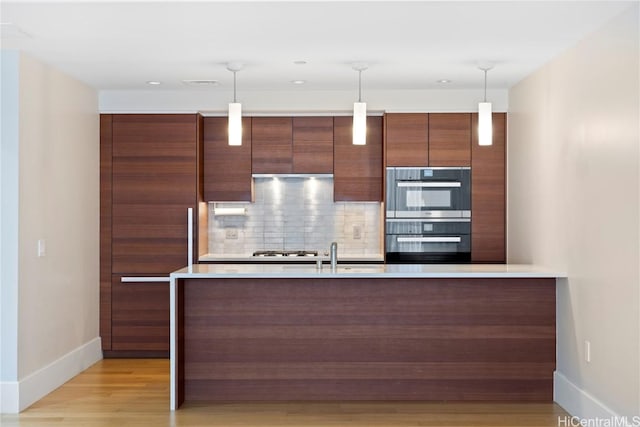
578	402
17	396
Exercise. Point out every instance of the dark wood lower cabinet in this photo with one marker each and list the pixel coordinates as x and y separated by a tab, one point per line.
140	317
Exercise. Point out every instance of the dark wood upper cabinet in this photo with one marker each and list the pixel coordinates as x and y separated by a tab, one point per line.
271	145
313	144
488	193
227	169
357	169
154	182
407	139
450	139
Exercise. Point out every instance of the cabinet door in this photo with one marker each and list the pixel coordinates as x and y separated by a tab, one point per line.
407	139
271	145
488	194
313	144
450	139
140	316
357	169
227	169
154	182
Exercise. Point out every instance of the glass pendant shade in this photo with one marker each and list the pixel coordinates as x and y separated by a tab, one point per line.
235	123
485	125
359	123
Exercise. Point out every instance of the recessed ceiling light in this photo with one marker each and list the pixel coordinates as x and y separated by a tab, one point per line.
201	82
154	82
300	62
443	81
298	82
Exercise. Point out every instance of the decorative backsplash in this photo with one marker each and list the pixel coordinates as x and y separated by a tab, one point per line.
296	214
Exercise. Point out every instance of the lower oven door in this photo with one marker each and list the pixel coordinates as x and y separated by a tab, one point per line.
428	241
403	249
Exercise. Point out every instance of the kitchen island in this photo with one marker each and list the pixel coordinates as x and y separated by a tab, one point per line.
266	332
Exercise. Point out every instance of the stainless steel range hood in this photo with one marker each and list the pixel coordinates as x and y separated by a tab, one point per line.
292	175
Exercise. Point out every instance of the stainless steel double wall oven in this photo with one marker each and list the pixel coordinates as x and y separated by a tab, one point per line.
428	215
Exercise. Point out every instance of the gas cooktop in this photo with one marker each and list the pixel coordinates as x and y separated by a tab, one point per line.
285	253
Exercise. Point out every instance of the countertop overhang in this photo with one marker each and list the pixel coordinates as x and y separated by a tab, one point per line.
351	259
206	271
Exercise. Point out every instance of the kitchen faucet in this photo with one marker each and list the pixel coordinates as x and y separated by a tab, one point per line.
334	256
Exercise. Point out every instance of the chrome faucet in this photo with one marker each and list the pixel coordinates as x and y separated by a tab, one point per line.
334	256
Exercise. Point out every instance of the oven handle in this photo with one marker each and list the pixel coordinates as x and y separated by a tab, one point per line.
451	184
429	239
147	279
428	220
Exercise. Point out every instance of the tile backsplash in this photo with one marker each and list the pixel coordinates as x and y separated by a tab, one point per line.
296	213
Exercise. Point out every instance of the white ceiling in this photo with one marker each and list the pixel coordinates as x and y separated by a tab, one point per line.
409	45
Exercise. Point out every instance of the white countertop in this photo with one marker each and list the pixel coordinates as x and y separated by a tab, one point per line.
204	271
282	259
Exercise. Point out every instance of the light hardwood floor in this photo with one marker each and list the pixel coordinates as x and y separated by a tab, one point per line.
135	392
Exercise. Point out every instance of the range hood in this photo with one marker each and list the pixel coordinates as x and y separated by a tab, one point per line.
292	175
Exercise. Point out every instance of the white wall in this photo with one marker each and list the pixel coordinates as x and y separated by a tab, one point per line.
58	201
573	205
9	225
215	100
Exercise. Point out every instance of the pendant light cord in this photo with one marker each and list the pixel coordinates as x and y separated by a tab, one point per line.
234	86
359	85
485	85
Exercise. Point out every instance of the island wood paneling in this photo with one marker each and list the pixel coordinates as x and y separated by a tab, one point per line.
368	339
271	140
313	144
407	139
357	169
105	229
450	139
488	194
140	317
227	169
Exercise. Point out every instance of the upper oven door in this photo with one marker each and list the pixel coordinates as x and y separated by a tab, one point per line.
432	192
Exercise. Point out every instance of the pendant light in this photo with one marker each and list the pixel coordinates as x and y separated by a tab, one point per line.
485	125
235	109
360	110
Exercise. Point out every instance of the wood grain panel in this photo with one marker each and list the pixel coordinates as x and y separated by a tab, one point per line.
362	390
488	184
407	139
227	171
140	316
449	139
240	371
313	144
155	180
272	148
106	144
149	239
376	339
357	169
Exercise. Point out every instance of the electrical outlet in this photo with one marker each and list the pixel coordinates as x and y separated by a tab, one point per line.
231	233
357	232
42	249
587	351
